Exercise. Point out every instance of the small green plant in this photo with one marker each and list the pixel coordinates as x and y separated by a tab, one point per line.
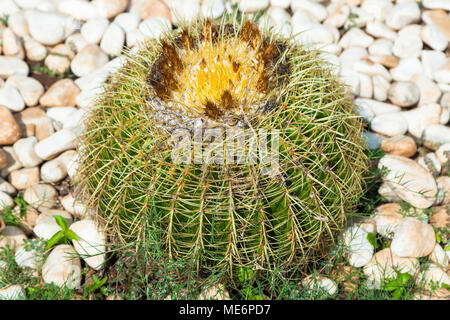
377	241
8	216
97	285
63	236
44	70
397	285
246	279
352	21
4	20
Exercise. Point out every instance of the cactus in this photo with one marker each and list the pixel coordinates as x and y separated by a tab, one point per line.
224	75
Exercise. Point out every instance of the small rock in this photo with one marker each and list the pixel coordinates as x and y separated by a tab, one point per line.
60	94
402	14
8	7
355	37
134	38
13	292
89	59
429	90
406	69
93	30
366	87
110	8
377	9
385	264
213	8
407	45
81	10
421	117
12	45
113	40
435	135
372	140
316	9
359	250
432	278
369	226
63	267
381	47
438	294
433	37
186	10
386	61
29	88
92	243
49	28
413	238
400	146
410	181
55	170
12	65
55	144
24	149
443	154
377	29
27	258
44	129
150	9
6	200
386	217
377	107
439	18
9	128
386	192
352	54
215	292
389	124
253	5
18	24
372	69
12	236
154	27
75	207
431	163
34	50
404	93
439	257
432	61
320	285
10	97
59	58
443	184
40	196
443	74
3	159
127	21
380	88
440	217
76	42
24	178
280	3
436	4
28	220
13	162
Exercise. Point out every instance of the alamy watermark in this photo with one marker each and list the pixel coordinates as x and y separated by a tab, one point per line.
228	146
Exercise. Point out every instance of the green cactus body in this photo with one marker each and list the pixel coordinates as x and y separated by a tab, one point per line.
224	76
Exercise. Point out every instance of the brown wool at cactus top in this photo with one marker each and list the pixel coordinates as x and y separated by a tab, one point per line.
219	72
